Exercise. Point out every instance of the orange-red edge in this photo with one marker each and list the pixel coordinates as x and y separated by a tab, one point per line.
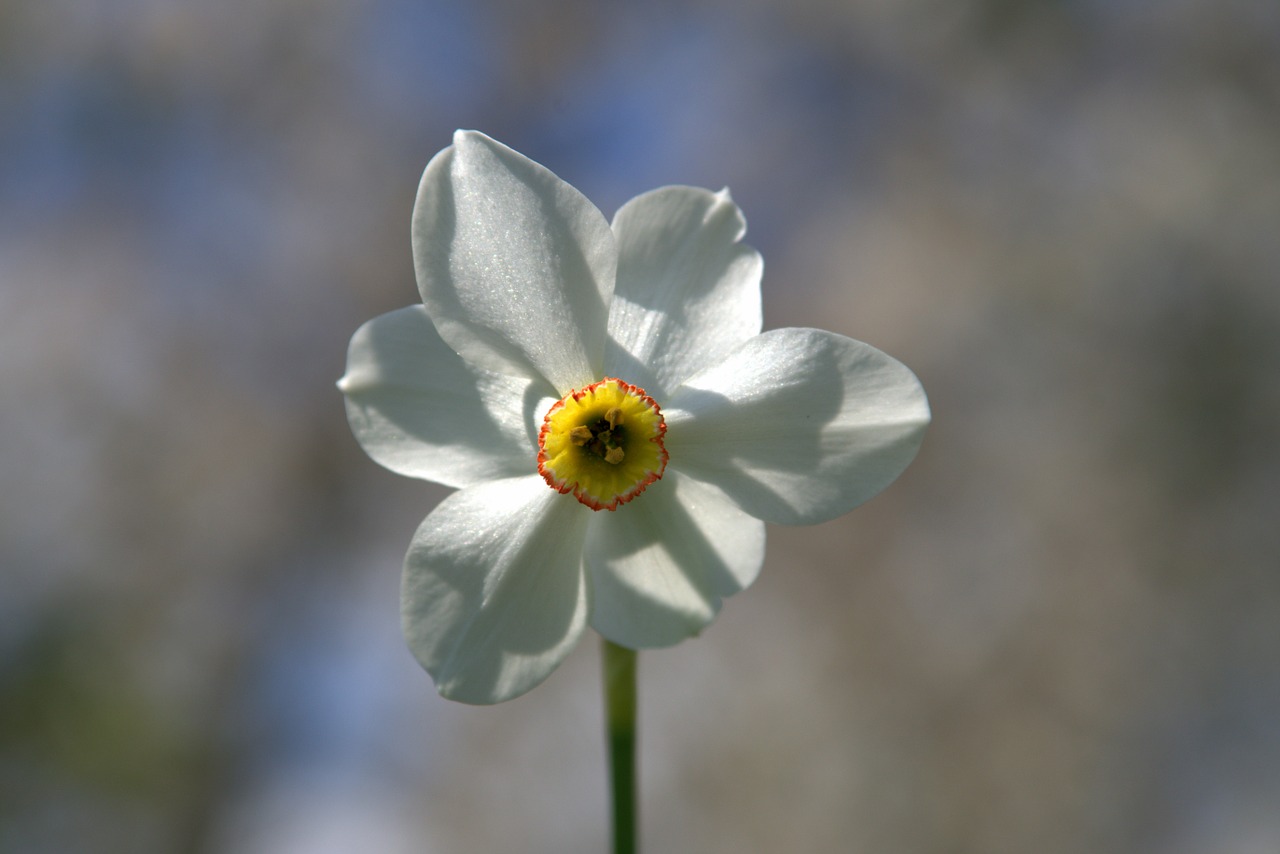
565	488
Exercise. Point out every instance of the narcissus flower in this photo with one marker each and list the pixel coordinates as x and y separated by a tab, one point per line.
617	426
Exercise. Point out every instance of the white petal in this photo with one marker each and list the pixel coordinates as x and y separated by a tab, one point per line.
798	425
494	596
688	291
515	266
660	565
417	408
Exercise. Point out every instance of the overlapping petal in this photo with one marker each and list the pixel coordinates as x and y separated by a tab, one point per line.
494	595
515	266
688	290
798	426
418	409
659	570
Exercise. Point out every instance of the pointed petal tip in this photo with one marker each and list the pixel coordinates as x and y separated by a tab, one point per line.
493	595
461	690
515	266
853	419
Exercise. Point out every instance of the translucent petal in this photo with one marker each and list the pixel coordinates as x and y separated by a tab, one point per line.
494	596
798	425
688	291
515	266
417	408
660	566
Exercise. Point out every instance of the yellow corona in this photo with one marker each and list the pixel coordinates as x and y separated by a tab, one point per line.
603	443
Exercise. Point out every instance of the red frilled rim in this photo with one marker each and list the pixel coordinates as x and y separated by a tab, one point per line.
563	487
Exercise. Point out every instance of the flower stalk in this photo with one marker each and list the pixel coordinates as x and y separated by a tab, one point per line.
620	725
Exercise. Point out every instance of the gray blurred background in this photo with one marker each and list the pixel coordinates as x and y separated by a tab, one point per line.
1058	632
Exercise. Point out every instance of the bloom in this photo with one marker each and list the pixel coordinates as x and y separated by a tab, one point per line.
617	426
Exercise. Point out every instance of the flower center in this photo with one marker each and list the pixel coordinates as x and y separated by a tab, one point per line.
603	443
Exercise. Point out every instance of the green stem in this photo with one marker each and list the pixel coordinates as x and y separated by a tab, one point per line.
620	721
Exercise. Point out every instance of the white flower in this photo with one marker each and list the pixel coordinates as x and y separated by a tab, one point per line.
633	504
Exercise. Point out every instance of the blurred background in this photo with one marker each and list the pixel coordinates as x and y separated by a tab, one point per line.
1058	632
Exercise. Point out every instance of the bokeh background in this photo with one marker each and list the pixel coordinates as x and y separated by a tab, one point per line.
1058	632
